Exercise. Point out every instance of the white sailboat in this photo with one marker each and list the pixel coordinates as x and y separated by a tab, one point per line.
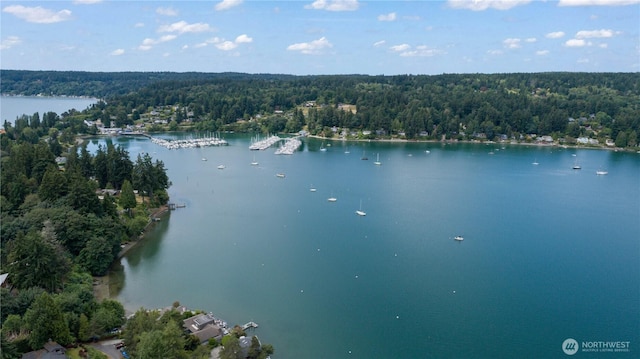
360	212
254	162
312	189
322	148
377	162
332	198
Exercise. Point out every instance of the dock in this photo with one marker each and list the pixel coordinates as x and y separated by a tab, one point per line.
260	145
290	145
189	143
251	325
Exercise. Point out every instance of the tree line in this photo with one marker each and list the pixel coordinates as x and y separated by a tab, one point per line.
452	106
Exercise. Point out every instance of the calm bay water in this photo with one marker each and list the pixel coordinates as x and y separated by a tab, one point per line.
12	107
549	253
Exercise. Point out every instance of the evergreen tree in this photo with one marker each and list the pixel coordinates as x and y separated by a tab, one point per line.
45	320
53	185
127	197
36	262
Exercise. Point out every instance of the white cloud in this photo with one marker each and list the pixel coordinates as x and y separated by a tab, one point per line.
531	40
583	61
86	2
9	42
555	35
512	43
38	15
226	45
182	27
387	17
167	11
480	5
422	51
495	52
597	2
166	38
542	52
139	24
243	39
603	45
334	5
227	4
585	34
117	52
575	43
400	48
314	47
379	43
147	44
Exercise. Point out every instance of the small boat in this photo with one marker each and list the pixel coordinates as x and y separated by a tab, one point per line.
360	212
221	167
458	238
312	189
364	158
332	198
280	175
601	173
322	148
204	159
347	151
576	166
377	162
254	162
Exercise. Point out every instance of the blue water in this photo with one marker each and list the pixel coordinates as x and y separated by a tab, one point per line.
12	107
549	253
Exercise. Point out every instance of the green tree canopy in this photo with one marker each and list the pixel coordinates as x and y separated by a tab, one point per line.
45	320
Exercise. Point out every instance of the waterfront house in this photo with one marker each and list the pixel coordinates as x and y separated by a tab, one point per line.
204	326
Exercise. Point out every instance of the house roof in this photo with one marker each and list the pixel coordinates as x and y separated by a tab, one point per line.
208	332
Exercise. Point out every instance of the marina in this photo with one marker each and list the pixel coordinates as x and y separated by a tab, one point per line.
260	145
189	143
289	146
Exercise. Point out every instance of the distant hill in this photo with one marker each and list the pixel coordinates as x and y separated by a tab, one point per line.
97	84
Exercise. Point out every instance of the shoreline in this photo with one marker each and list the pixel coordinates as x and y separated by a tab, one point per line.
398	140
102	284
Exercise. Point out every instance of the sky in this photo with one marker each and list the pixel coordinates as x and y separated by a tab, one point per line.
314	37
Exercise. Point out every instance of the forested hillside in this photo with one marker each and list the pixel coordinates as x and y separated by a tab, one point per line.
566	106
